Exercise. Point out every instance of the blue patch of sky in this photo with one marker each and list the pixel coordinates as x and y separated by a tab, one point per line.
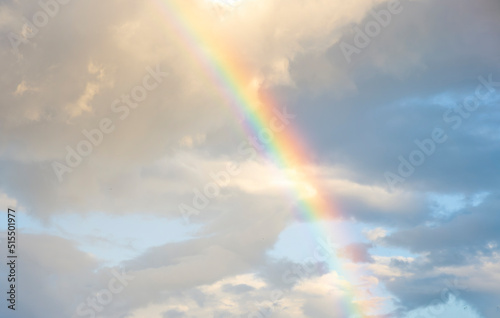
111	238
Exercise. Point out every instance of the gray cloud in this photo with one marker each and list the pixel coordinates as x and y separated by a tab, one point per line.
358	118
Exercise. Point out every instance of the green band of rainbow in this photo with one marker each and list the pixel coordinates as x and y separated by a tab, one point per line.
255	111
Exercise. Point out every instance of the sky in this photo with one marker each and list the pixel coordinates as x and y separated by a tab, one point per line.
251	158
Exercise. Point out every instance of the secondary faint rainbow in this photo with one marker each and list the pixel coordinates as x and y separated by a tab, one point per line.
233	80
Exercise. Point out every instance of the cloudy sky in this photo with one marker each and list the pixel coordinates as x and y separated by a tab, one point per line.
140	193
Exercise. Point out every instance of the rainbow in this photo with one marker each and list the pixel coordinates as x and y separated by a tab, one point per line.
232	78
